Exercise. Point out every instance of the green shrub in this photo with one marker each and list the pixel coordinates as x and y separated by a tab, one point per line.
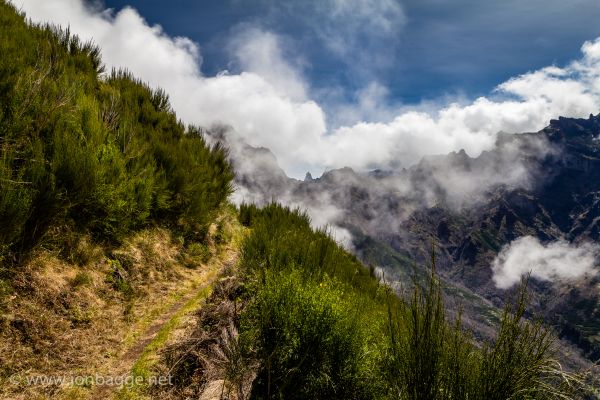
103	155
5	289
282	237
518	364
199	251
429	359
321	324
118	278
247	212
310	344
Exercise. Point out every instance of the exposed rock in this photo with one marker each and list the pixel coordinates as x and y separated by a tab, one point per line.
544	184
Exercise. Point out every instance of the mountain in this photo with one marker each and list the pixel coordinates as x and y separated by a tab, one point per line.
544	184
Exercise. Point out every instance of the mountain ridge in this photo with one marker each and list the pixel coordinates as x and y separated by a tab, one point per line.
471	208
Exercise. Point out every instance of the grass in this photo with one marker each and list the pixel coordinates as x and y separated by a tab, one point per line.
86	159
171	299
82	331
143	366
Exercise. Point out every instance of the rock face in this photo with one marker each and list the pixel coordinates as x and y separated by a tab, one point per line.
544	184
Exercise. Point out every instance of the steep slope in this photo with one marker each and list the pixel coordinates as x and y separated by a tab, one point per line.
561	205
115	223
300	318
543	184
112	213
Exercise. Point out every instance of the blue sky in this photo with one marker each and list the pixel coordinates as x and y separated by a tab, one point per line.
360	83
435	48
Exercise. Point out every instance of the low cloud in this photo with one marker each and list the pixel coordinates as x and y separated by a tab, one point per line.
268	104
554	261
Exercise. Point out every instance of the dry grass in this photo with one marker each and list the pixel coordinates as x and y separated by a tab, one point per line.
209	357
77	317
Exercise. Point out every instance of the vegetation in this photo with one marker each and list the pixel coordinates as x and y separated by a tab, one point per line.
86	151
321	326
88	156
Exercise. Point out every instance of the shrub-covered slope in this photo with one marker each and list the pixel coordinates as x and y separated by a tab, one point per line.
308	321
392	216
111	211
88	150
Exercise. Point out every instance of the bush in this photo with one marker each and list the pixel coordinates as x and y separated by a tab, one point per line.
104	155
429	359
199	251
282	237
247	213
518	363
310	344
82	278
426	357
323	327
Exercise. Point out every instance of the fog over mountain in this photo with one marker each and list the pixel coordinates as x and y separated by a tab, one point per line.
456	181
558	260
527	207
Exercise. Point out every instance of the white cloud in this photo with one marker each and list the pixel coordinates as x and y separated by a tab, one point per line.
268	104
554	261
260	52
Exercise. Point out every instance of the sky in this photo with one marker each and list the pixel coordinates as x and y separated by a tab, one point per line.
423	50
361	83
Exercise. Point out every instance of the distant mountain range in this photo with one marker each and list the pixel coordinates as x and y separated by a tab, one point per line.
544	184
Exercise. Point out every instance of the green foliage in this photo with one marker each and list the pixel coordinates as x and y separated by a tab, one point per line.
417	363
517	365
312	305
119	279
247	213
101	153
5	288
427	358
309	342
198	252
323	327
282	238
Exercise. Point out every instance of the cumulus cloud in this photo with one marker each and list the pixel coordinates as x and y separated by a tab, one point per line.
559	260
268	102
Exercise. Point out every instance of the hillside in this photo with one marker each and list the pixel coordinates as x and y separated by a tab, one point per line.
114	219
304	319
547	189
121	257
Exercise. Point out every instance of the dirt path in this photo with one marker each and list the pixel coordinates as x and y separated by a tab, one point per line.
123	365
135	352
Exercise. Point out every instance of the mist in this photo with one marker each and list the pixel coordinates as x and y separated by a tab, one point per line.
277	130
554	261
